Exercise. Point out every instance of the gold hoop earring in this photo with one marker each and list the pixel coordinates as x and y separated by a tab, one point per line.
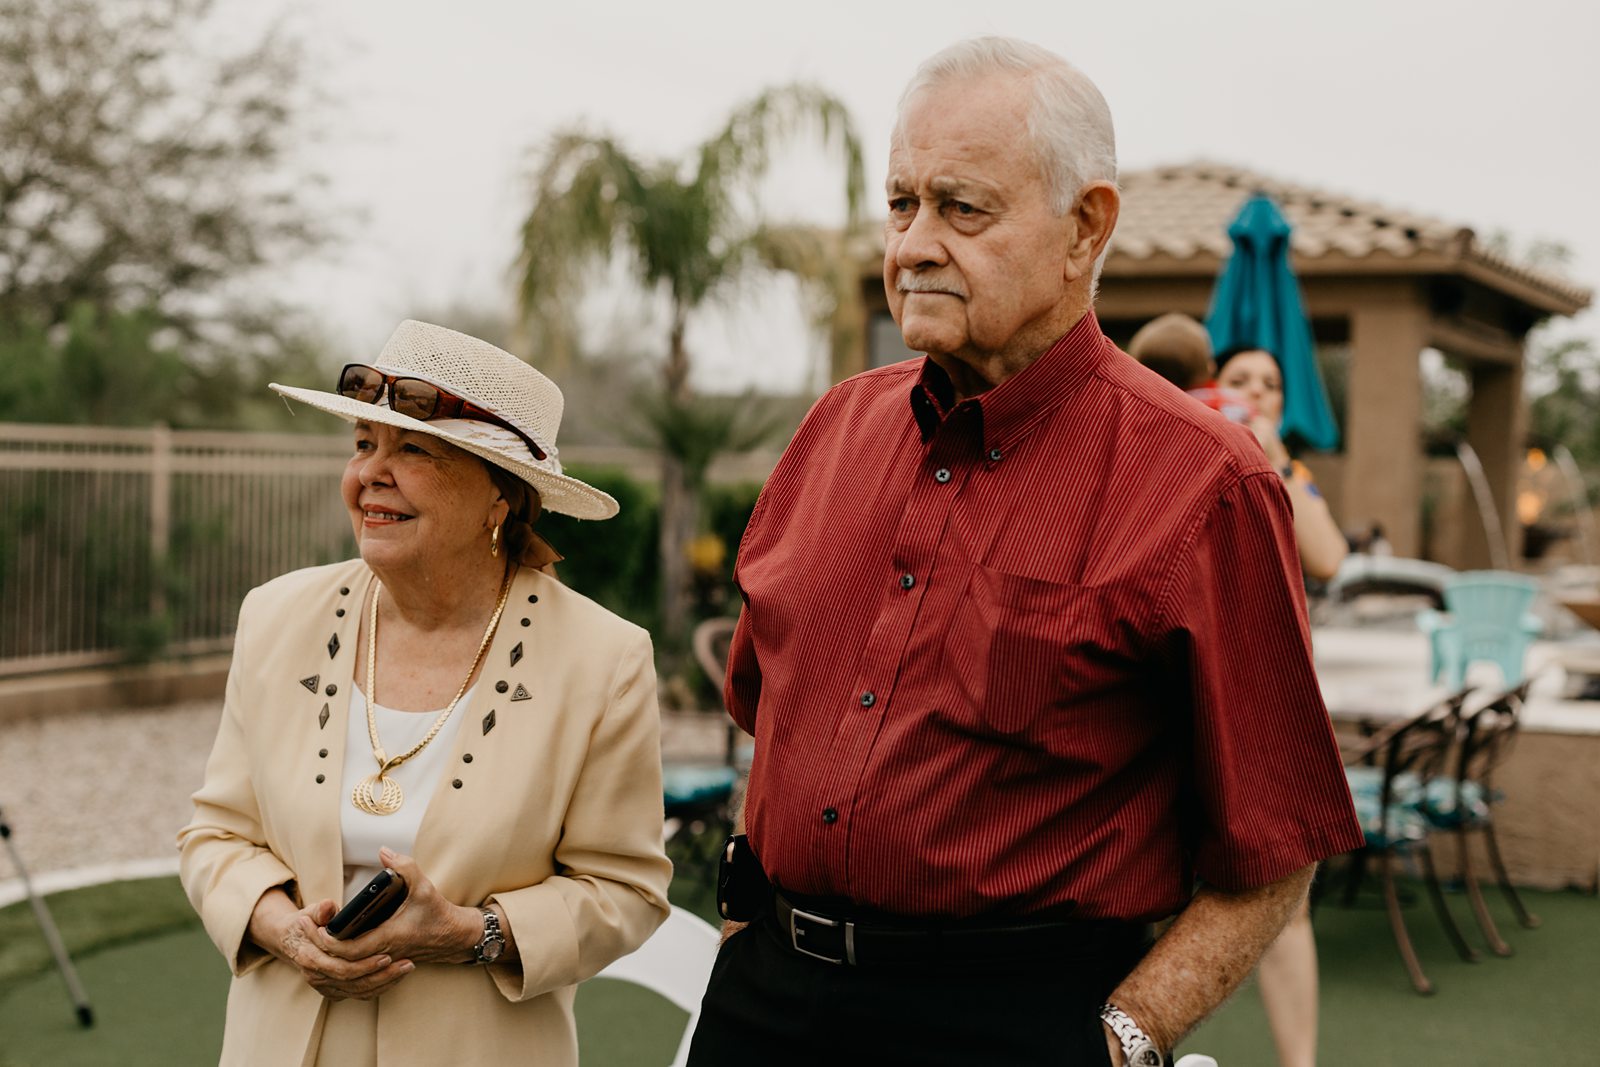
494	542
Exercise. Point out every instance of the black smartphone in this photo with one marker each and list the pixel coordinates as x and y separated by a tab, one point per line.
375	902
743	892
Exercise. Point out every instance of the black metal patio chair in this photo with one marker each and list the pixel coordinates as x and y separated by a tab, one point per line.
1463	804
1389	775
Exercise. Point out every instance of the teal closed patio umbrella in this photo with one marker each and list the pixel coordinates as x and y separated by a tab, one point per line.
1257	303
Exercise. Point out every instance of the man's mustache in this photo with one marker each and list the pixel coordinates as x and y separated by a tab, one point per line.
908	282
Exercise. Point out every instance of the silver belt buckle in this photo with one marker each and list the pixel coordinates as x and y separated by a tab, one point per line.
796	933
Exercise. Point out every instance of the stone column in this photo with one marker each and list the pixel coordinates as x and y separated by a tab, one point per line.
1383	418
1496	427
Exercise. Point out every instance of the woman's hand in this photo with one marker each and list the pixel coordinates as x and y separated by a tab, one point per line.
427	928
1267	434
296	936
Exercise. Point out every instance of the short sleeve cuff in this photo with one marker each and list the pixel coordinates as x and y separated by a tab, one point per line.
1232	867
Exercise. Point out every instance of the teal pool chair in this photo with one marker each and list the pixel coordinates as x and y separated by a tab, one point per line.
1486	618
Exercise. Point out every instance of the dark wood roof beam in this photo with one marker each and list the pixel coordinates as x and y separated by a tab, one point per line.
1473	341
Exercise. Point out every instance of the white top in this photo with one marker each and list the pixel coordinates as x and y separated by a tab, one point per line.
419	776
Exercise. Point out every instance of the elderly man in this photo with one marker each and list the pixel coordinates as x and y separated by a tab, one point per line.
1023	648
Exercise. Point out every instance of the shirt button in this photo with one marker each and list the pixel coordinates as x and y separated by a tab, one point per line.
830	816
994	455
868	699
942	475
907	581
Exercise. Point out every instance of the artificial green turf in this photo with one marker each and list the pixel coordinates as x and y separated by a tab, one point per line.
157	1001
624	1025
158	987
90	919
1541	1005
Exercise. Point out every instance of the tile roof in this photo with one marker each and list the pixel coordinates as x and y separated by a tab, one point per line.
1182	213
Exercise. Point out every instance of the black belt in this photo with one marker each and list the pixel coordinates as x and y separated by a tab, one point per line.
839	939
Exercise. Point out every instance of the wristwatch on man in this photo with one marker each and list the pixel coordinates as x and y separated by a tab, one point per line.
1137	1048
494	942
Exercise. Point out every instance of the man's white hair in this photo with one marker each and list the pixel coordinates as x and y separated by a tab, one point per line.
1069	122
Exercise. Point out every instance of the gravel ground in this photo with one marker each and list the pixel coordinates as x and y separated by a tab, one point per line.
97	787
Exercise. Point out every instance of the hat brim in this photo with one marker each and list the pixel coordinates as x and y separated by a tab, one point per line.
557	492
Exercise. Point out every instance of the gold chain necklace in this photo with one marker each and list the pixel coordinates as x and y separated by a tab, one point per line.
378	794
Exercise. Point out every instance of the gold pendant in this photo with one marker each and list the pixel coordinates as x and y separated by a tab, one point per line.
365	797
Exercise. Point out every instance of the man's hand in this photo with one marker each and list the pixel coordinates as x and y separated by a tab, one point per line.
295	935
729	928
1267	434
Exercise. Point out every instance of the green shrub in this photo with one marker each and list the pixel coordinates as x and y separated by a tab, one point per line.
728	509
612	562
615	562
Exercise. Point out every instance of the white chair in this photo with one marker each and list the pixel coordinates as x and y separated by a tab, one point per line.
676	963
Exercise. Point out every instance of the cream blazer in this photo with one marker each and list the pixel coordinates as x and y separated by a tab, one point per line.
551	806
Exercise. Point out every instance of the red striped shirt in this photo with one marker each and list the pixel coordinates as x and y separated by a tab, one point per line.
1042	650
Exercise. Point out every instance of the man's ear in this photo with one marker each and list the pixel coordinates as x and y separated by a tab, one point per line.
1094	216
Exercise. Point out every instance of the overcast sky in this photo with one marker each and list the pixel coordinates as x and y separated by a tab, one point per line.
1484	117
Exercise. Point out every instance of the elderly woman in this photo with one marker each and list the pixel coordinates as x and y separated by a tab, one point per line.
444	708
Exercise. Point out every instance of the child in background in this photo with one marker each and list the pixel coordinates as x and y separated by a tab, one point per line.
1176	347
1179	349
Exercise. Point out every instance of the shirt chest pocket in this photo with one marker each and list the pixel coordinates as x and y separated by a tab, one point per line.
1022	650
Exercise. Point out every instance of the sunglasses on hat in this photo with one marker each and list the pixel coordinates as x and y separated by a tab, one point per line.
420	400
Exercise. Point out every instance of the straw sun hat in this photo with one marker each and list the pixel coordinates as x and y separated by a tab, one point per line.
497	381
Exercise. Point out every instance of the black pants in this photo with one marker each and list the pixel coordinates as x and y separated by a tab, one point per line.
768	1005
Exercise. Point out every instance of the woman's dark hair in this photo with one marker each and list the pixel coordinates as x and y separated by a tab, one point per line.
517	538
1233	350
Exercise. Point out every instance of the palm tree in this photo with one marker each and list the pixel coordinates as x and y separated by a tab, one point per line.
687	227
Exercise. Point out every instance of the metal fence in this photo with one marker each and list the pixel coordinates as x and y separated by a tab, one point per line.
121	545
118	544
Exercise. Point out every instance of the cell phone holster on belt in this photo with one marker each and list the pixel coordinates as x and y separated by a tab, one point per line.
743	892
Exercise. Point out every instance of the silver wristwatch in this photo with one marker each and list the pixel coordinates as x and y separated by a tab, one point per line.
494	942
1137	1048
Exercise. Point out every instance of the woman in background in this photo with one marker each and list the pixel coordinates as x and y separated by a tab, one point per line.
1288	970
1254	374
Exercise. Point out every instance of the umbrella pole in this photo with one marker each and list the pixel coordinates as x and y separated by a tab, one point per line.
52	936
